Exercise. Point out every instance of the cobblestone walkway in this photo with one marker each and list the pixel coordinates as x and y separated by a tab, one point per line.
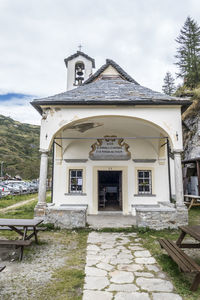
119	268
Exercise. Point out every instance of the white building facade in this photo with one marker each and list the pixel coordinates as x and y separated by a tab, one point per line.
112	140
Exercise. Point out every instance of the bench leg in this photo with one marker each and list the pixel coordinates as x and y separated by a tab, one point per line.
191	204
195	283
25	233
35	233
21	253
181	237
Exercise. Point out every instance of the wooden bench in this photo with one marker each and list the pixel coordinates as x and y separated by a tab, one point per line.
191	200
2	268
17	243
185	263
21	228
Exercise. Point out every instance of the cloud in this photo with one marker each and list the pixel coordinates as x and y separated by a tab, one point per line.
37	35
18	107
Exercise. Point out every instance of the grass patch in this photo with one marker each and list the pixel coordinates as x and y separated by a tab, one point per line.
194	216
25	211
10	200
181	281
67	282
124	230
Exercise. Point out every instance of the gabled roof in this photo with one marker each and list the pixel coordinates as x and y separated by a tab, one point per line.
110	62
76	55
110	92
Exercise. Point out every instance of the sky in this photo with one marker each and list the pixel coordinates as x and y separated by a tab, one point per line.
36	36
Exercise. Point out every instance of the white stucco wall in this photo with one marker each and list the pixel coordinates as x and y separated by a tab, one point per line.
121	121
140	149
166	118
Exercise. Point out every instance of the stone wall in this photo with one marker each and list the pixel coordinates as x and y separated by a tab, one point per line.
66	216
162	217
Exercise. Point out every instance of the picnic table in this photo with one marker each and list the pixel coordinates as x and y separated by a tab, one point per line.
185	263
193	231
25	224
191	200
21	226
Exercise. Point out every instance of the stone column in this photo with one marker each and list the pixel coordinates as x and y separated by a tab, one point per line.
41	205
178	178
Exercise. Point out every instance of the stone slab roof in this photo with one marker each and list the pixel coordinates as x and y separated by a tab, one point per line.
76	55
110	92
110	62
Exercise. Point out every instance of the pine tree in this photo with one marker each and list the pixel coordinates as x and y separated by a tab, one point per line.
168	86
188	53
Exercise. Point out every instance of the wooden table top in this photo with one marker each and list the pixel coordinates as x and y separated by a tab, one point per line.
20	222
192	196
193	231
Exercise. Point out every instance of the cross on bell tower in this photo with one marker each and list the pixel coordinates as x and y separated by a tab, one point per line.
80	47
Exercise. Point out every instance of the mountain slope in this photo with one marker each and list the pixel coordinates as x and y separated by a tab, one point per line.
19	145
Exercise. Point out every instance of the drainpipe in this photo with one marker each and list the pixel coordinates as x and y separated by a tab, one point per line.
52	176
169	172
198	175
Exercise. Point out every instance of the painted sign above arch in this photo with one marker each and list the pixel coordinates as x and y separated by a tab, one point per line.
109	148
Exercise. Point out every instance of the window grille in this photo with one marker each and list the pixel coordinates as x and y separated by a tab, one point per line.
144	182
76	181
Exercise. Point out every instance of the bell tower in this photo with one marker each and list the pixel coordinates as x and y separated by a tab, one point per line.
79	68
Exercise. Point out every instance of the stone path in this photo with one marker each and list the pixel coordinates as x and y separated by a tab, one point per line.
119	268
109	220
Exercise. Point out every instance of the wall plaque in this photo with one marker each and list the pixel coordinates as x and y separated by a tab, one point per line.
110	149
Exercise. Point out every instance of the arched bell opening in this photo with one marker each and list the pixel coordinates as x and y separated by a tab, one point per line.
79	73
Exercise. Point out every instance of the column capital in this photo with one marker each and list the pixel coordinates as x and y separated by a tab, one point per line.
177	151
43	151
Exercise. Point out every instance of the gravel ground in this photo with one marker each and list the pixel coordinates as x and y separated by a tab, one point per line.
26	279
22	280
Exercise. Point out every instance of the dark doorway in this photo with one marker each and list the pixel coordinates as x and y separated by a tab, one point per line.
110	190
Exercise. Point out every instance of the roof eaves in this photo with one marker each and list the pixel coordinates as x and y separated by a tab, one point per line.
37	107
37	103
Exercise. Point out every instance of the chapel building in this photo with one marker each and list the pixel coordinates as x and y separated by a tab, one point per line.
116	148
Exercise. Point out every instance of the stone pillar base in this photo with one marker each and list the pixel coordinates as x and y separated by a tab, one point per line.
182	215
66	216
40	211
162	217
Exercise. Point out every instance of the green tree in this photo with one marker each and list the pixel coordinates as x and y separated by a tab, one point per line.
169	85
188	53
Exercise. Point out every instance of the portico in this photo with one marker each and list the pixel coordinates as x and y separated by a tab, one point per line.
110	141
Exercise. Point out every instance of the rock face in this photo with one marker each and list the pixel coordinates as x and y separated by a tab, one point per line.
191	137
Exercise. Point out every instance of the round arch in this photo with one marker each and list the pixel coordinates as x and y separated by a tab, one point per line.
77	124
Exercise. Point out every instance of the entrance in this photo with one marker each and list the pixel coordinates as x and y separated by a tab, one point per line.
110	190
